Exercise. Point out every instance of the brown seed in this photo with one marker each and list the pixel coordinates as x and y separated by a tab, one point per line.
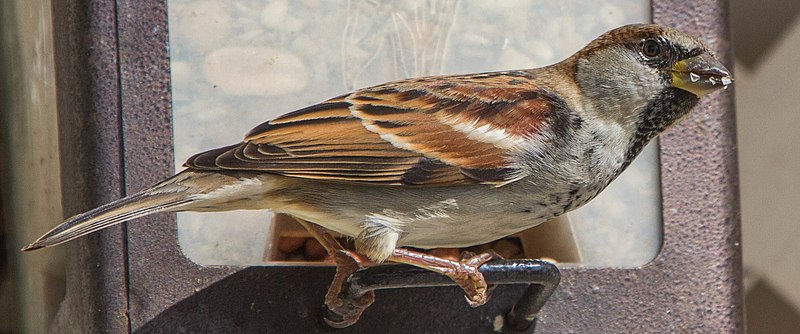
506	248
295	257
314	250
481	248
278	256
446	253
290	244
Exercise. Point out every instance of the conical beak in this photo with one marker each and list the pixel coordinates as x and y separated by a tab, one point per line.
700	75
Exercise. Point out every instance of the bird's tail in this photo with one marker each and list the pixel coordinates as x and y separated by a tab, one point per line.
178	193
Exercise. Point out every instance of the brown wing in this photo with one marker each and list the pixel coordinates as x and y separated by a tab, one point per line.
427	131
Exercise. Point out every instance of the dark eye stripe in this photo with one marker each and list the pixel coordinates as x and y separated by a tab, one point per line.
691	53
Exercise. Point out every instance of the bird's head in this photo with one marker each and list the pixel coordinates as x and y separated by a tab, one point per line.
646	77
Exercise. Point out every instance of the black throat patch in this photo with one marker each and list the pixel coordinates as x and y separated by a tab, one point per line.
666	109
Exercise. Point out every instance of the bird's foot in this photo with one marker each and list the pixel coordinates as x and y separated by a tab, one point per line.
476	289
464	272
343	310
346	311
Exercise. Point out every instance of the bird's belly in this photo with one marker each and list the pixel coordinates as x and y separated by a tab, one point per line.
465	232
485	223
441	217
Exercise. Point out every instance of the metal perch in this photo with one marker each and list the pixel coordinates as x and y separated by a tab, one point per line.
543	278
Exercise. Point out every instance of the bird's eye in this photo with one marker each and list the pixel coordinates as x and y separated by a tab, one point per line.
651	48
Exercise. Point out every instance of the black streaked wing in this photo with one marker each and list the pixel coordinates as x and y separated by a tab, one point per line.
427	131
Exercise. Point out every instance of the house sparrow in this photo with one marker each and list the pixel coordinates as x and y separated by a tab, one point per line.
445	161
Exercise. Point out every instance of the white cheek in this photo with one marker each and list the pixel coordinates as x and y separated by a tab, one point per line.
650	84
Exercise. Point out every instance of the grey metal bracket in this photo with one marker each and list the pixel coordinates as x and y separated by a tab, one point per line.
542	278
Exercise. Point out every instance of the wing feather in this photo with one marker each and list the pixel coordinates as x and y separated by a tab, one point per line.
426	131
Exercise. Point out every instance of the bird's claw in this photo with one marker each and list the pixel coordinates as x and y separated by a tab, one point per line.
470	279
345	311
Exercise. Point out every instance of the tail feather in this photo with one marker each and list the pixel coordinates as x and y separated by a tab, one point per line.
188	190
131	207
177	193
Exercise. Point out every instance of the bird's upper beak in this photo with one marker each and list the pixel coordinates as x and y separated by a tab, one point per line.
700	75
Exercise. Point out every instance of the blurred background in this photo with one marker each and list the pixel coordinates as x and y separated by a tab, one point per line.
766	43
766	39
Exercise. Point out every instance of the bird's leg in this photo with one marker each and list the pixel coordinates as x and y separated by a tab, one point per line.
465	272
347	262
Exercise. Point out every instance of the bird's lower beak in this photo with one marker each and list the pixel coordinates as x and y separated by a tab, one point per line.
700	75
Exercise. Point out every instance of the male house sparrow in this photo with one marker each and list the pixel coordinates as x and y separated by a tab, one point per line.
444	161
